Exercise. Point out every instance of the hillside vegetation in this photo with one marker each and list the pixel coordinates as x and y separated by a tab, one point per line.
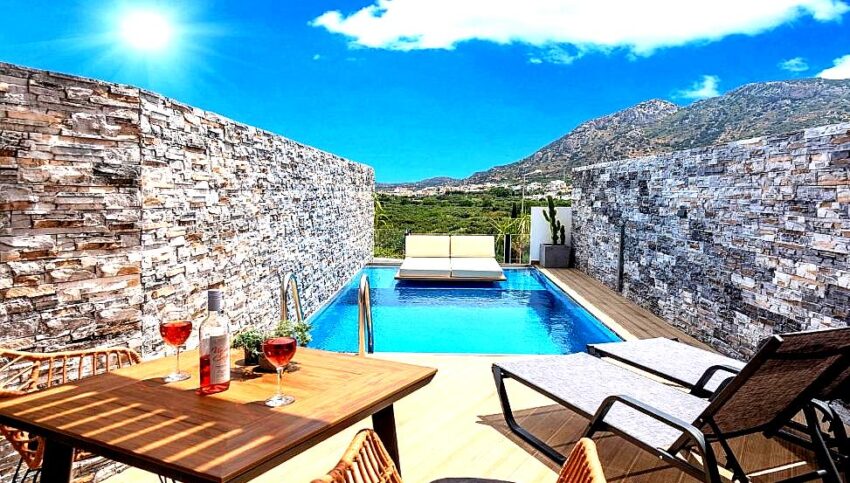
450	213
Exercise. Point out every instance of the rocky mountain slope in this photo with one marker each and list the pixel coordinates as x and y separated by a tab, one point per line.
656	126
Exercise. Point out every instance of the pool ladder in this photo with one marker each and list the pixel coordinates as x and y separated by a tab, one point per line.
289	283
365	333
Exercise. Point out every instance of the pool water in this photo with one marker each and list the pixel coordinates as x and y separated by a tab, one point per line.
526	314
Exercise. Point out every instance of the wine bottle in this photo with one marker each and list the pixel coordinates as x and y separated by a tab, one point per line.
215	347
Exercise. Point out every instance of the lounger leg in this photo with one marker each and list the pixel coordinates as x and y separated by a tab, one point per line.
825	460
738	473
529	438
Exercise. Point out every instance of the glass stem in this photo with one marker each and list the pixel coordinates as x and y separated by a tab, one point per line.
280	382
177	364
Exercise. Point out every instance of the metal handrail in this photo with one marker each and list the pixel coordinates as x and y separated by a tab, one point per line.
288	281
365	332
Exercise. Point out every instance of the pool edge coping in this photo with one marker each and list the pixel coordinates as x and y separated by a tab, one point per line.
595	311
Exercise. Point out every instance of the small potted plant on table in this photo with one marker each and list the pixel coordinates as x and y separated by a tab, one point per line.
556	254
251	341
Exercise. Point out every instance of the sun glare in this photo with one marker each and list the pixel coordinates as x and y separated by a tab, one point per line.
146	30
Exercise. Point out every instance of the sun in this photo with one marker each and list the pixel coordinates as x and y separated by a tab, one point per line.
146	30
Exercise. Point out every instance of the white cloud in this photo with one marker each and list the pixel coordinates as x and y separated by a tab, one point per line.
840	69
797	64
639	26
316	56
701	89
554	54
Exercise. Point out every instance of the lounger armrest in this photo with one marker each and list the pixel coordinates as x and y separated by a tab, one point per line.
699	389
672	421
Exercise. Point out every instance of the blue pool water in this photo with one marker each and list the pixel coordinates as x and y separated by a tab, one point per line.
526	314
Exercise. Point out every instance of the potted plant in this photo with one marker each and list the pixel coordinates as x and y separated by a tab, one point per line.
557	253
251	342
300	331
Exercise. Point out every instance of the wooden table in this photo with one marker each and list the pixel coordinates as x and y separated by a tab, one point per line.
131	416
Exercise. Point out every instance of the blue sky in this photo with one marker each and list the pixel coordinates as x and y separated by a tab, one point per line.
421	88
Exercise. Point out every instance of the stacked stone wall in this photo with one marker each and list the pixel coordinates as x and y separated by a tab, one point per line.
730	243
117	203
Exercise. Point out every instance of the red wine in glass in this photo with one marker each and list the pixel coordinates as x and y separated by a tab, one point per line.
175	332
279	351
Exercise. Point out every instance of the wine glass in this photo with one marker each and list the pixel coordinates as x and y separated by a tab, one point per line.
279	351
175	327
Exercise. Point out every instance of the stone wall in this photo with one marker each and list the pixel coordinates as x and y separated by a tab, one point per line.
116	203
731	243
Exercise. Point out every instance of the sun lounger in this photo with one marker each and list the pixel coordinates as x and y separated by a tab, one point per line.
703	372
474	257
457	257
425	268
427	257
786	374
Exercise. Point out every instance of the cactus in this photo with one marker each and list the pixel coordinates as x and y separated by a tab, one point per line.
558	230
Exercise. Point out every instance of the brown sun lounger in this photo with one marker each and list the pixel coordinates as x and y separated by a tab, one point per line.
781	380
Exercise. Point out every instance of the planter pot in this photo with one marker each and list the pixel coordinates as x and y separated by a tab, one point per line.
249	357
265	365
554	256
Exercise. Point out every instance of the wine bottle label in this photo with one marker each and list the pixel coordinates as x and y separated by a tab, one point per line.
219	347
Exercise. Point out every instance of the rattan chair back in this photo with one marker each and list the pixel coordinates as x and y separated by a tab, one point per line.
365	461
23	372
786	373
582	466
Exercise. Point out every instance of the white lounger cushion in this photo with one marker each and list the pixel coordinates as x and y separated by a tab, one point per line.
425	267
475	268
426	246
473	246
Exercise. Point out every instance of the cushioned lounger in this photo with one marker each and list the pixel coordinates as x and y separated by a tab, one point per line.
473	246
427	246
476	268
425	268
474	257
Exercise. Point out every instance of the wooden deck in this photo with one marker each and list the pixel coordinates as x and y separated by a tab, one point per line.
452	431
628	319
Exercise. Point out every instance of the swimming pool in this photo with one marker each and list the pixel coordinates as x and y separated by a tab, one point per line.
525	314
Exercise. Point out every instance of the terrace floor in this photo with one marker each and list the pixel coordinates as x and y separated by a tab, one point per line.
453	428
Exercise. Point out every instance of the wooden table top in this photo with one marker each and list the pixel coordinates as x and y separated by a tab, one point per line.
129	415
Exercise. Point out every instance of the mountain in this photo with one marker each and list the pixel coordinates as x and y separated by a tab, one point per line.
658	126
623	134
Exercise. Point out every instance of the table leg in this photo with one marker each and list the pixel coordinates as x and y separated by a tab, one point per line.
383	422
58	462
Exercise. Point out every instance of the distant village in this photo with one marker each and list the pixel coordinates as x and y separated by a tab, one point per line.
535	189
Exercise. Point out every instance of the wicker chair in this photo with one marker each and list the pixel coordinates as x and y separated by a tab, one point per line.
24	372
582	465
367	461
